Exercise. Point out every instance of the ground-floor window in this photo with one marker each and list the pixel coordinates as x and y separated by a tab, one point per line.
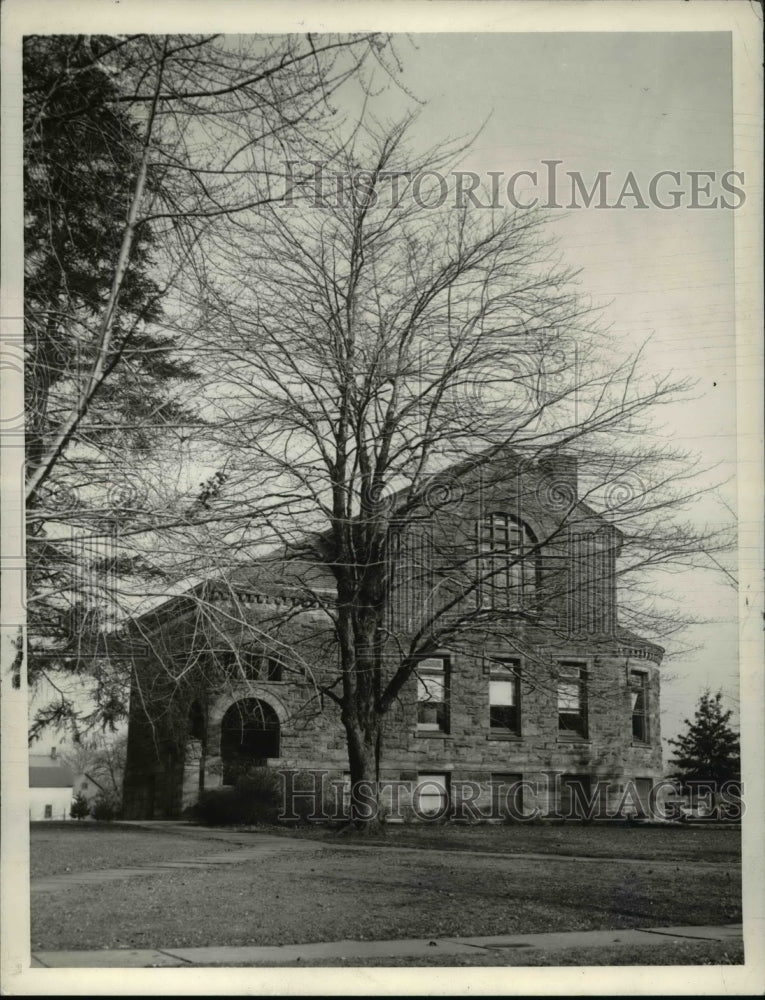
506	795
431	795
575	795
49	812
643	787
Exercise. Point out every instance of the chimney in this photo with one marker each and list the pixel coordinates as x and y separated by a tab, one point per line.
561	472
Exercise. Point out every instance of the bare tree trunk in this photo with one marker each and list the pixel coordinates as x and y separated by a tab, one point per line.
364	741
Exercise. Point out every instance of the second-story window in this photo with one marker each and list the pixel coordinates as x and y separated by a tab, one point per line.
504	697
433	695
508	562
572	699
639	704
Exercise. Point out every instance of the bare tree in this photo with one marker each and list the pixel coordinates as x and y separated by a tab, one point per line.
102	759
207	116
136	148
376	363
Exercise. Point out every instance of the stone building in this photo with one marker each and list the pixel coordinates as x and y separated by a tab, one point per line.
540	689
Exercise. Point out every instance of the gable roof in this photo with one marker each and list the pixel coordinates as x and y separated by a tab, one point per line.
49	774
281	572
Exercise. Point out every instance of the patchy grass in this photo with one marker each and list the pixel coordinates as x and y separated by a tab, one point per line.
667	842
336	892
60	847
686	953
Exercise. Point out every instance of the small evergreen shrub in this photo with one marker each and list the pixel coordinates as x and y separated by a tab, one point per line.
80	807
254	799
104	809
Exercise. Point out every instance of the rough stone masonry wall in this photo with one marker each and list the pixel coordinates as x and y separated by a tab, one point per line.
471	750
312	736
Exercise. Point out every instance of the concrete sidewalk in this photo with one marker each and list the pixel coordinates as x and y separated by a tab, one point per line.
277	955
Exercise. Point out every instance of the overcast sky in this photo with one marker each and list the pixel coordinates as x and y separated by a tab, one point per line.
639	102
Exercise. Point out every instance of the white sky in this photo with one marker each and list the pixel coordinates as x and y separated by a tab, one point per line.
640	102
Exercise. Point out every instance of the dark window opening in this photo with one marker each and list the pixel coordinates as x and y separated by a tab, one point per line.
508	562
433	695
643	787
273	669
251	664
196	722
639	705
504	696
572	699
249	737
507	795
576	796
49	812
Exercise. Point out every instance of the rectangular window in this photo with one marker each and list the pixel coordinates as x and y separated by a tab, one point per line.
639	705
504	697
273	669
643	787
433	695
250	664
49	812
575	795
506	795
225	660
507	562
432	795
572	699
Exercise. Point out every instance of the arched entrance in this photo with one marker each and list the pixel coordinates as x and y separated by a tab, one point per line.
249	736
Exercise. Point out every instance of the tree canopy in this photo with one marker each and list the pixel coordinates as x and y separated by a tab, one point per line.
134	147
371	360
709	750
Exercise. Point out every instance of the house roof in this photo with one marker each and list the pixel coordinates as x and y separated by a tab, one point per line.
285	573
49	774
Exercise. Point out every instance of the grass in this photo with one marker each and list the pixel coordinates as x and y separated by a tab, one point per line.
61	847
340	891
666	842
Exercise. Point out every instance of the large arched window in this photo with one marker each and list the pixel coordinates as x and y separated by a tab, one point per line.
249	736
508	562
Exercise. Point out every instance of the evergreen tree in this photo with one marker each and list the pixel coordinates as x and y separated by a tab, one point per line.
709	750
80	807
81	155
133	147
82	150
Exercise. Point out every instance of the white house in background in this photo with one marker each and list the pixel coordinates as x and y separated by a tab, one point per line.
51	787
85	784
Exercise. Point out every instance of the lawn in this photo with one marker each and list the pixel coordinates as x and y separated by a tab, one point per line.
594	840
60	847
339	890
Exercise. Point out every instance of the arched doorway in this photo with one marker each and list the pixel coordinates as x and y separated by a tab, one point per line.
249	736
